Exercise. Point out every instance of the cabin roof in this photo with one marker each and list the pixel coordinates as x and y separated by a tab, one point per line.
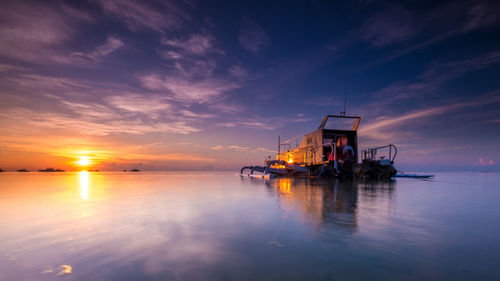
340	122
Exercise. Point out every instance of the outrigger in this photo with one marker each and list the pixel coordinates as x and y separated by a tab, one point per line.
329	151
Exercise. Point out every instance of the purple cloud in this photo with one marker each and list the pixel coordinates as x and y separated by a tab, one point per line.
186	90
138	15
111	45
252	37
195	44
394	25
36	33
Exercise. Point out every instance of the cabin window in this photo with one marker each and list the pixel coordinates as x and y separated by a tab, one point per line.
309	140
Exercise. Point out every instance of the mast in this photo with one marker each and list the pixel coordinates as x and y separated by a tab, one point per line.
279	145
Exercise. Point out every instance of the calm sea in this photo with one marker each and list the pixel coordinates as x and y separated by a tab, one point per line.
218	226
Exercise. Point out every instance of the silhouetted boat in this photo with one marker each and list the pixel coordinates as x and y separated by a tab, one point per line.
51	170
135	170
23	170
1	170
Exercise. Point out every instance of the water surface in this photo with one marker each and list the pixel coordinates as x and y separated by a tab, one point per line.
218	226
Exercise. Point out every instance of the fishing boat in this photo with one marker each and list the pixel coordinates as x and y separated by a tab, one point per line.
329	151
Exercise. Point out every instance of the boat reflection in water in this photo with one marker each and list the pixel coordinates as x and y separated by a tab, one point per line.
330	203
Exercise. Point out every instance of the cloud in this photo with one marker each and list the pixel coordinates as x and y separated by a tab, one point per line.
192	77
195	44
484	162
226	107
481	13
35	32
264	123
94	125
92	108
188	90
250	124
394	25
420	30
252	37
89	109
429	82
449	70
10	68
35	149
150	105
166	54
242	148
238	72
159	16
111	45
394	127
193	56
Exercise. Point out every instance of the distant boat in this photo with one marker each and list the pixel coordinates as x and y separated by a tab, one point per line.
23	170
403	175
93	170
1	170
135	170
51	170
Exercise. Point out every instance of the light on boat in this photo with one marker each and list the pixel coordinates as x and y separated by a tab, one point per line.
290	160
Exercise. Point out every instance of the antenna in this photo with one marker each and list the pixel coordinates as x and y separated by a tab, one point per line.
345	93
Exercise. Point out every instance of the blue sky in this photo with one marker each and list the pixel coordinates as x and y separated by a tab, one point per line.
211	84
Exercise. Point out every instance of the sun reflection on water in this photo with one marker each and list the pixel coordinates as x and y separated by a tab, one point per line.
84	185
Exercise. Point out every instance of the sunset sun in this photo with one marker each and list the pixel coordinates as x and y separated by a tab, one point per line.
83	161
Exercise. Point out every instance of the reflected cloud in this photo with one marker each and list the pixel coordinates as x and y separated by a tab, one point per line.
65	269
47	270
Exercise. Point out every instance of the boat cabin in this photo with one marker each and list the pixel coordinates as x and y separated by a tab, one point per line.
335	139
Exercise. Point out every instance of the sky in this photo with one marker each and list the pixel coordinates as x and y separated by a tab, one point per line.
210	85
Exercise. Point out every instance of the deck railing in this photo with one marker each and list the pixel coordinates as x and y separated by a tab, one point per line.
309	154
292	143
371	153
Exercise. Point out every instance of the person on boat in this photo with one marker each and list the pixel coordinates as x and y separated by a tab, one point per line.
347	152
342	148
